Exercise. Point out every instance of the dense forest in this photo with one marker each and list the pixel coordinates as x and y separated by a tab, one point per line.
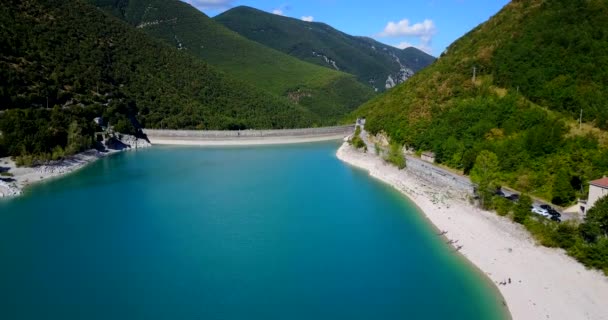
328	93
62	63
371	61
570	72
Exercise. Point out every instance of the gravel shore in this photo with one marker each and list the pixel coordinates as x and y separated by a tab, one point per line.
22	177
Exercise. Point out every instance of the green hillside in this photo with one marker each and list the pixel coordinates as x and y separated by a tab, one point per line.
325	92
64	62
371	61
536	64
522	109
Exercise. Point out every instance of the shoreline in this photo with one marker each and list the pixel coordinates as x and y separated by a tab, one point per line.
546	283
23	177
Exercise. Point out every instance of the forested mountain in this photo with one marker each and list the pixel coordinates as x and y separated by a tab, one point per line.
375	64
503	103
328	93
514	86
64	62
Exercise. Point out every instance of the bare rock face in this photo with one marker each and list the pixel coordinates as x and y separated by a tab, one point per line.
390	83
401	76
328	60
125	142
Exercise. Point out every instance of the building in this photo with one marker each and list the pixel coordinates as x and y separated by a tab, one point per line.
597	189
428	156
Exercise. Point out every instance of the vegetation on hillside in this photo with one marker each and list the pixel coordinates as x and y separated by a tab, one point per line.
395	156
65	62
570	71
501	105
356	140
496	89
371	61
327	93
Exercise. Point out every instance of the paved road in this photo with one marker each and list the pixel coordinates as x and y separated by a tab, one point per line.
461	179
537	203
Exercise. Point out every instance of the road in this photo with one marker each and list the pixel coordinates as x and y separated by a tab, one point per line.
463	180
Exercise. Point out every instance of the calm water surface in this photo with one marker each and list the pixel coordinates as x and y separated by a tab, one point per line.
286	232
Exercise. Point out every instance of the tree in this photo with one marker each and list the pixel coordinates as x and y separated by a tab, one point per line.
565	235
356	140
522	210
484	174
562	193
596	221
76	140
395	155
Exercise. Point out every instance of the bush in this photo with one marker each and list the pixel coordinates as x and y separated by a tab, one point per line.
395	156
566	234
522	209
356	140
124	126
25	160
58	153
503	206
542	230
592	255
596	221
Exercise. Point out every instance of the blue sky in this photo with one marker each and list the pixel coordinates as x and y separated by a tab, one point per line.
430	25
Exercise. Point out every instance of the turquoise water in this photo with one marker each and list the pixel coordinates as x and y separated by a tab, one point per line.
285	232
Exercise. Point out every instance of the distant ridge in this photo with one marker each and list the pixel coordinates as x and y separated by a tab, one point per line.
327	93
373	63
63	63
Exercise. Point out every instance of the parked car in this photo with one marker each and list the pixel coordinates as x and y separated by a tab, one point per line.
541	211
556	219
550	210
513	197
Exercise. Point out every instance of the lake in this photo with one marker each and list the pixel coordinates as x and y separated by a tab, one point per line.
277	232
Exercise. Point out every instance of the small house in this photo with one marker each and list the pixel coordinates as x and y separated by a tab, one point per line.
428	156
597	189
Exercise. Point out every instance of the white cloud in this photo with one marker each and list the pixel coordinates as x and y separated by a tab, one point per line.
423	31
278	12
308	18
211	4
403	28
